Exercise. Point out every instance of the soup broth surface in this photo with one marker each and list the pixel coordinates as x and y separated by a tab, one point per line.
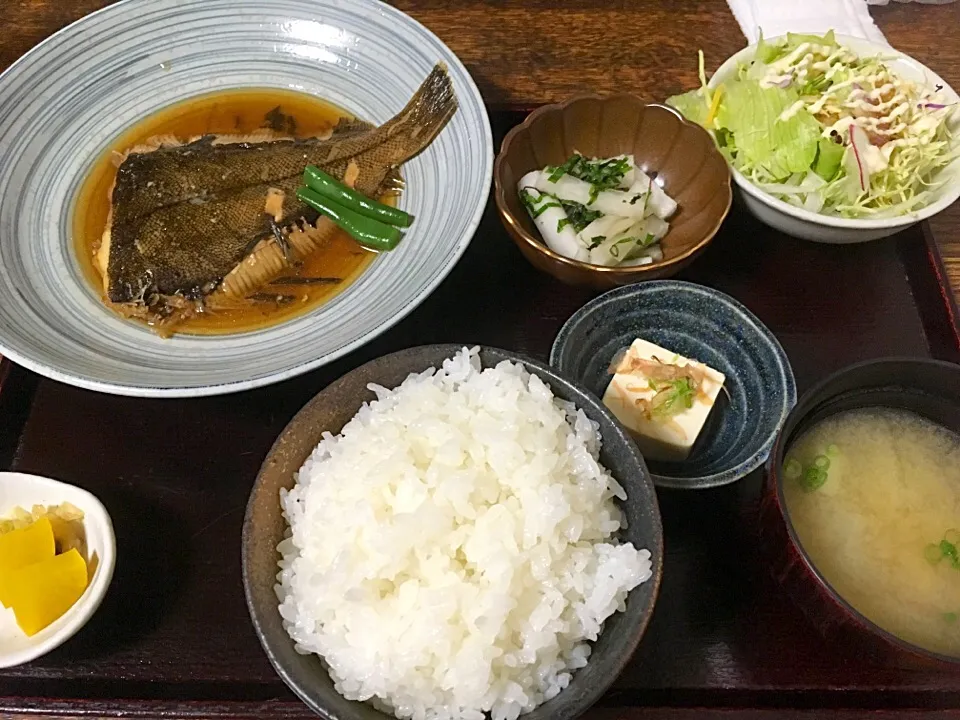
882	525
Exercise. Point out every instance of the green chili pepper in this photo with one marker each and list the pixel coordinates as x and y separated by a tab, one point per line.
366	231
326	186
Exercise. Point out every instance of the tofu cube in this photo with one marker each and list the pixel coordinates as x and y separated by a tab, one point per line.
667	438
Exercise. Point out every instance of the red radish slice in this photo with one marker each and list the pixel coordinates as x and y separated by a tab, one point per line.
858	144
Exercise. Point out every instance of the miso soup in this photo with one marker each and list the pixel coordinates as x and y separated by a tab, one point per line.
874	496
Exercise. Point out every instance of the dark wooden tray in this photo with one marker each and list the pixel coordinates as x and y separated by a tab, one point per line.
173	637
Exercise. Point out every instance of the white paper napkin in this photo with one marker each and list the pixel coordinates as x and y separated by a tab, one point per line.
777	17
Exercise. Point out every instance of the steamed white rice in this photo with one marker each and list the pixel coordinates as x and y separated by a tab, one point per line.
452	550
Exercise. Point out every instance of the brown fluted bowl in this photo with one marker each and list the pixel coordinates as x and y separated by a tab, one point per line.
682	154
929	388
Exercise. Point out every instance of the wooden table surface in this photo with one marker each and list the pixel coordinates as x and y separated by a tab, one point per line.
524	53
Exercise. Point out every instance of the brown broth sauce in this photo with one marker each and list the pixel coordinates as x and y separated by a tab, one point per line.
226	112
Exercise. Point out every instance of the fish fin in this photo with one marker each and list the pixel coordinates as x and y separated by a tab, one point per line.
429	109
399	139
352	125
421	120
257	136
177	308
158	142
101	253
149	145
262	135
101	258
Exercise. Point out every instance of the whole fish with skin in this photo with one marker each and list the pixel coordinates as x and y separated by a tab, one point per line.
205	223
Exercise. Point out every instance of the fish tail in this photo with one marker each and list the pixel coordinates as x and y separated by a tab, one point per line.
410	130
427	112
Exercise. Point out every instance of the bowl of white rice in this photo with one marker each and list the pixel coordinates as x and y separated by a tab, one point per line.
451	532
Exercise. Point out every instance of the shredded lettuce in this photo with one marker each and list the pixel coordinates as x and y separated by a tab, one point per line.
767	144
783	122
829	159
691	105
794	39
767	53
695	105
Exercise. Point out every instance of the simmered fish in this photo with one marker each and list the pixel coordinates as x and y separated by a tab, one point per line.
206	222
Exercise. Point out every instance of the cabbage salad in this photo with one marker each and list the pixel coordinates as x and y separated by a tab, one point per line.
811	123
603	211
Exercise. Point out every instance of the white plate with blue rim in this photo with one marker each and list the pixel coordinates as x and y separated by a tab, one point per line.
65	102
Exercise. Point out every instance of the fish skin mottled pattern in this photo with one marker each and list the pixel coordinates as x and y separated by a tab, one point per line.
183	217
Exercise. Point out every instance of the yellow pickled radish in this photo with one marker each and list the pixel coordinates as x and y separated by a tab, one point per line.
42	592
19	548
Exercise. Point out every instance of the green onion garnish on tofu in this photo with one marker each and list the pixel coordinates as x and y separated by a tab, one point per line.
672	396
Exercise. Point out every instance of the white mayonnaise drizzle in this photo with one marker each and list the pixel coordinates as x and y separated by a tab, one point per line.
885	106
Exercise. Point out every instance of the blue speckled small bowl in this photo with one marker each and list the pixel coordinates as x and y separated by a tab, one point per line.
706	325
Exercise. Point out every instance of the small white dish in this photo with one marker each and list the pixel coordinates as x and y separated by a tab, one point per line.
836	230
20	489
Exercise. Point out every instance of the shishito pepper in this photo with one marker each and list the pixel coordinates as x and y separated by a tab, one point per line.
42	592
368	232
20	548
328	187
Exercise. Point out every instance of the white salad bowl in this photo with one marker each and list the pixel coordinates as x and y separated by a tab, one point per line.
818	227
23	490
64	103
